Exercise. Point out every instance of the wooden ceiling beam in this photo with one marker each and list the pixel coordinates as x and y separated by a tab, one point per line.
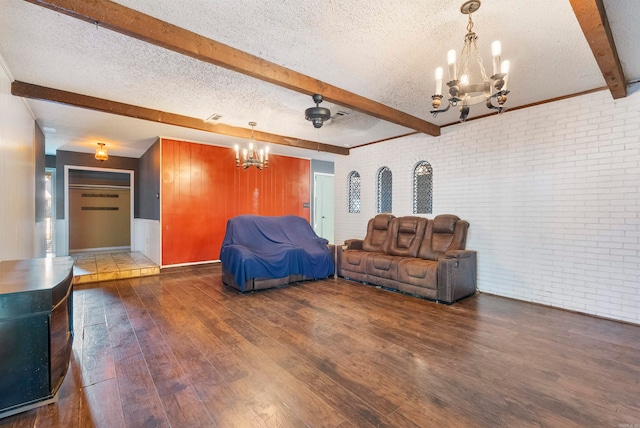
135	24
595	26
28	90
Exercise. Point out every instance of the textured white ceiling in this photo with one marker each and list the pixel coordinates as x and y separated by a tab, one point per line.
623	18
386	51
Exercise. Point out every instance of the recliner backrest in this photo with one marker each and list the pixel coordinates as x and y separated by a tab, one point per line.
377	233
444	233
407	235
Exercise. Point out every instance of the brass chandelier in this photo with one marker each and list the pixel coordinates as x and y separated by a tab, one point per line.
252	156
461	90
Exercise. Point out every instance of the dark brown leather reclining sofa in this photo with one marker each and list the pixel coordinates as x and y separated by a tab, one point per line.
414	255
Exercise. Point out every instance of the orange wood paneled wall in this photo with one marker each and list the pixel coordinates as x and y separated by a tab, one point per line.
202	189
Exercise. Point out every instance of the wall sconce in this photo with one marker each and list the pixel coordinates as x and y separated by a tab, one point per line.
101	153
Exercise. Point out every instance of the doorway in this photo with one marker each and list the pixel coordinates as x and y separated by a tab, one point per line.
323	217
99	205
49	211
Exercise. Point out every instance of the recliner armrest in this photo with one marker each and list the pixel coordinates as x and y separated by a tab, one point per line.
352	244
349	244
456	276
459	254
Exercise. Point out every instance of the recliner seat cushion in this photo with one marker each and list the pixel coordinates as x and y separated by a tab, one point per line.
383	266
421	273
355	260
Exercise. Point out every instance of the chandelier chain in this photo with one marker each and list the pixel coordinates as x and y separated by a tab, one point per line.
464	58
483	72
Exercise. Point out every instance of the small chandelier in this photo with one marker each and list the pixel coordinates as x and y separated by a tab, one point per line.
252	156
461	90
101	153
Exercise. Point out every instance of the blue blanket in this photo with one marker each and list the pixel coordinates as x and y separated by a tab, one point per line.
273	247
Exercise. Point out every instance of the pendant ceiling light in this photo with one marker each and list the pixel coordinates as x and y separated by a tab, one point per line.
317	115
461	88
101	152
252	156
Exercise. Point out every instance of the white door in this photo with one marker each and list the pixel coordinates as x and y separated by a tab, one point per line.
323	213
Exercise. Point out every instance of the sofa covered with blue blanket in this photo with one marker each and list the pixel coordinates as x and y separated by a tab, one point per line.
261	252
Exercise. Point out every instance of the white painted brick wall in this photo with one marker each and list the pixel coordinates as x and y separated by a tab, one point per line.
551	192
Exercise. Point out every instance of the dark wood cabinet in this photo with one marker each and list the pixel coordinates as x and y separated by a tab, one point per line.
36	331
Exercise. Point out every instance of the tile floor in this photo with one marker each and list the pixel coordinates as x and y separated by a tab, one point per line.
105	266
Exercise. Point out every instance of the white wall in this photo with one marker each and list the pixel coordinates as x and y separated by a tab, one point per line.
147	239
551	193
17	175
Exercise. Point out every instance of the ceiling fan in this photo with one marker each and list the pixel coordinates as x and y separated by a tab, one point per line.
317	115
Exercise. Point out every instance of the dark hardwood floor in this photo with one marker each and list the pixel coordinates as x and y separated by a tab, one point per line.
181	350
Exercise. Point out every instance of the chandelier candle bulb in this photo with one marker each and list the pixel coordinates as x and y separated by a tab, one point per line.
266	153
438	81
504	69
237	152
244	154
451	60
496	51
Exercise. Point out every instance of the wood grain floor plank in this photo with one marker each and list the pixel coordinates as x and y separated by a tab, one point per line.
93	308
97	361
281	355
181	349
497	363
227	407
24	419
223	357
266	403
101	405
78	319
141	404
353	407
294	396
291	392
430	414
359	367
270	321
67	411
326	359
180	401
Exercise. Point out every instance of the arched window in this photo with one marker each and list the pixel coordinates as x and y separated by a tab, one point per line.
354	192
422	188
385	193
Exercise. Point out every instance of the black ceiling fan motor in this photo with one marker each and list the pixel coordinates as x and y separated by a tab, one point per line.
317	115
